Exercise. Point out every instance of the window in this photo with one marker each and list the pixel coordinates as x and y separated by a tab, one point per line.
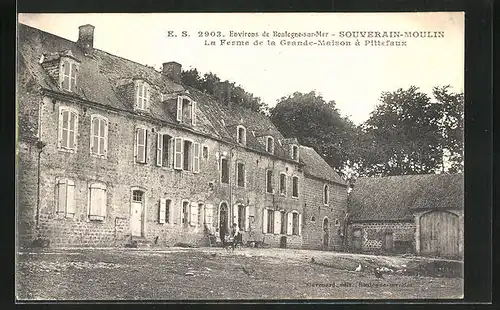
326	194
295	223
186	155
241	135
270	221
141	139
185	213
193	214
141	95
270	145
283	222
241	217
205	152
97	210
224	171
65	197
295	186
68	128
186	110
99	136
240	174
68	74
295	152
283	184
269	181
164	150
209	213
137	196
164	211
313	219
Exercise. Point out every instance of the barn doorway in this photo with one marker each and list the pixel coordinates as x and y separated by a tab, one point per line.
389	242
356	240
326	234
439	233
223	221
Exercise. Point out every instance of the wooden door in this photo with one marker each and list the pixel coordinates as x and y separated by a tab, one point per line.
136	219
389	242
357	240
439	233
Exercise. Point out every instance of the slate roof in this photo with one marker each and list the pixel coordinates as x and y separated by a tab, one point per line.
101	76
397	197
316	166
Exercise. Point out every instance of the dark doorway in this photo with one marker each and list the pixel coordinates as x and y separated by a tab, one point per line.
357	240
223	221
389	242
326	234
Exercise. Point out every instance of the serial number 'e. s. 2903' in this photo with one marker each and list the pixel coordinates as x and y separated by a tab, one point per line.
209	34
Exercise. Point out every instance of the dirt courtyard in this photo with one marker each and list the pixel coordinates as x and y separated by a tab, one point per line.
214	273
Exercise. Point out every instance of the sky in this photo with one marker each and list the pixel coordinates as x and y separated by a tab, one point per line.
353	76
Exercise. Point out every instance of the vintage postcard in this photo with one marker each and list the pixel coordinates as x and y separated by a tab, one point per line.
241	156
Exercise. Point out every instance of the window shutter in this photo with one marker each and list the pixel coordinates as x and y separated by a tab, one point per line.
162	210
174	210
59	136
74	122
171	153
289	227
235	216
159	149
193	113
300	224
92	134
147	152
247	222
179	108
61	196
264	221
70	201
178	153
105	138
135	143
193	214
196	159
277	222
209	213
148	96
73	77
103	202
215	216
94	201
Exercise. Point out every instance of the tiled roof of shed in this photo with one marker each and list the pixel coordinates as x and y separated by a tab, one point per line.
396	197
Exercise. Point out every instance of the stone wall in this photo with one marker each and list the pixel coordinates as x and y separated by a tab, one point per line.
374	234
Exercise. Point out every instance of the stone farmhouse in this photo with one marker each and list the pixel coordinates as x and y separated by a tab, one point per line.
421	214
110	151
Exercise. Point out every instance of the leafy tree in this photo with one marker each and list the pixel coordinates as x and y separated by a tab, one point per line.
224	91
318	124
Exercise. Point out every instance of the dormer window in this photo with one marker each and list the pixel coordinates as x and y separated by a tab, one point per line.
68	74
295	152
270	144
142	90
241	135
186	110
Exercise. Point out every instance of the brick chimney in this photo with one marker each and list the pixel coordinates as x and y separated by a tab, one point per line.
172	70
86	38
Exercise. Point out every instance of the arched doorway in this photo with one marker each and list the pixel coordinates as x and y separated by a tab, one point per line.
223	221
326	233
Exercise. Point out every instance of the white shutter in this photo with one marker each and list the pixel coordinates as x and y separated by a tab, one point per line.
59	134
106	138
135	143
196	158
235	216
103	202
277	222
289	227
162	210
94	201
179	108
147	153
300	224
264	221
215	216
61	196
209	209
70	198
247	222
74	119
92	134
174	211
193	214
178	153
193	113
159	149
170	152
